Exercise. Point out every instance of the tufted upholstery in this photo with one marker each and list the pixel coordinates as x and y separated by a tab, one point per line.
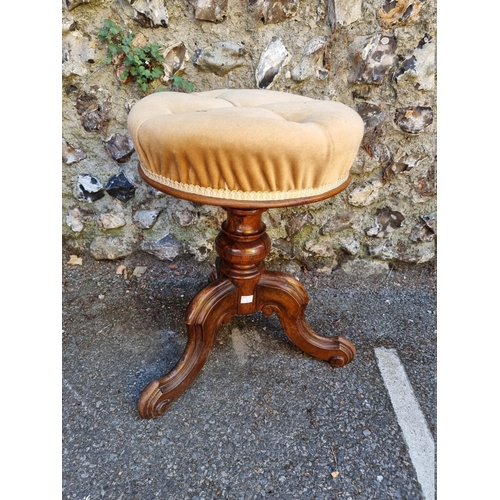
248	145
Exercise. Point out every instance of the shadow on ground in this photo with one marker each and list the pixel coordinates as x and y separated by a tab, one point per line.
263	420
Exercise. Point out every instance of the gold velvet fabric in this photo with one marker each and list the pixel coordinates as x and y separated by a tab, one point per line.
245	144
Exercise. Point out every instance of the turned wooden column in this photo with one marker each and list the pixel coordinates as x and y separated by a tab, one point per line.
242	245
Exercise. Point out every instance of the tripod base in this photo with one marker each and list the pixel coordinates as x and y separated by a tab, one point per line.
241	285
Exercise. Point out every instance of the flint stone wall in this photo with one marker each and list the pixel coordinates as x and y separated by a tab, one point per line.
377	56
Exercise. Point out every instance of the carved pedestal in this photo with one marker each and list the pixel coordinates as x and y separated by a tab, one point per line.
241	285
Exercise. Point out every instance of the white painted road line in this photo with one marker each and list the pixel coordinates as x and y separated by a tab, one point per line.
410	418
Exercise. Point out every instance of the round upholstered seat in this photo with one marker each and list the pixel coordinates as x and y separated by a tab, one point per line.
245	146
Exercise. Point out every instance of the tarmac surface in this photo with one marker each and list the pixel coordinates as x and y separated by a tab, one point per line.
263	420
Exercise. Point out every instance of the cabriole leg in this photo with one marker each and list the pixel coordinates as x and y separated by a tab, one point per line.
212	306
282	294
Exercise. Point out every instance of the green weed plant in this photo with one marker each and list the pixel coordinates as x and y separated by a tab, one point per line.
141	65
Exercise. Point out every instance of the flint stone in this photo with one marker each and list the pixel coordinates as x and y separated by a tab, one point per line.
186	217
77	53
71	4
319	249
374	60
379	152
148	13
112	248
399	12
371	156
420	66
283	248
296	222
413	120
211	10
200	252
271	63
386	221
120	147
361	267
220	58
417	254
89	188
321	265
426	185
120	187
371	114
339	223
409	67
290	267
278	11
425	62
351	247
67	24
175	59
312	63
384	250
273	11
365	194
404	164
110	221
421	233
153	192
75	220
320	12
71	155
430	221
362	163
167	248
342	12
94	114
145	219
425	229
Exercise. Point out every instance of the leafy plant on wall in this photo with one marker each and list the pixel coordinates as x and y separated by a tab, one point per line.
134	60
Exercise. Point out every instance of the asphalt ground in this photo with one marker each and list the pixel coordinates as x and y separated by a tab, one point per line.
263	419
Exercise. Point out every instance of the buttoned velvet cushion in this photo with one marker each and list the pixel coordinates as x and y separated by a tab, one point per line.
245	144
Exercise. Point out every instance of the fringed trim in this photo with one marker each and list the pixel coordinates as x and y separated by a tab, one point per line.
227	194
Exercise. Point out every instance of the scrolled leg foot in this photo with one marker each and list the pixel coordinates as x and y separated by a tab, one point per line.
153	403
282	294
211	307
